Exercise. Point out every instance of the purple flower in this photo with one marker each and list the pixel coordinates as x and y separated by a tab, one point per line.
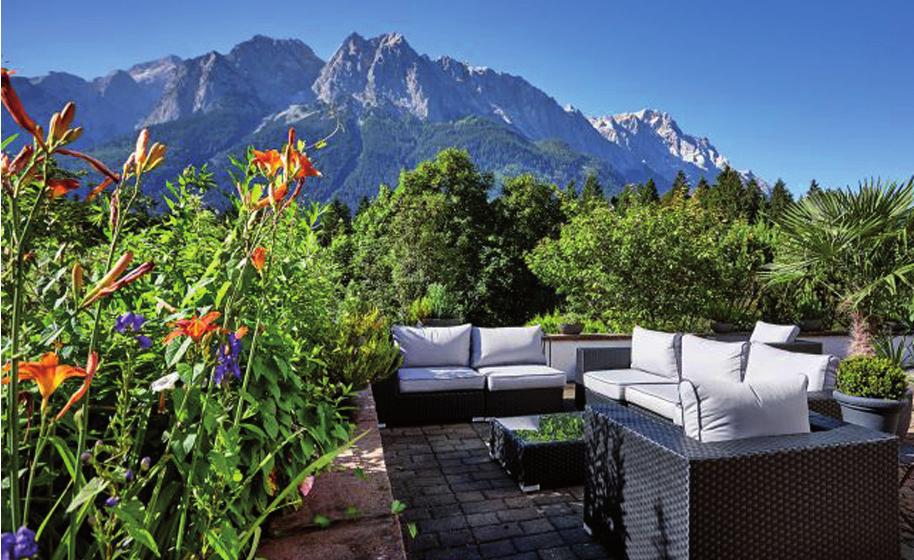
19	545
85	457
145	463
128	476
112	501
143	341
7	546
227	359
129	321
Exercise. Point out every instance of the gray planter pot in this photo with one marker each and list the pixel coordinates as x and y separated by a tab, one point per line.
881	415
904	415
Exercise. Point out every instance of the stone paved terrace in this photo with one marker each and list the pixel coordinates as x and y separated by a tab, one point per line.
465	506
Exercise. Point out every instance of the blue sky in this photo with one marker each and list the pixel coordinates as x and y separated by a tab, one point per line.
793	89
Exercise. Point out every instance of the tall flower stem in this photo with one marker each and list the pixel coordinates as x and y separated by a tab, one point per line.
39	448
13	405
83	421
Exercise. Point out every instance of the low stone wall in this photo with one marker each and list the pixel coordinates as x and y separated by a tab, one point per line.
354	495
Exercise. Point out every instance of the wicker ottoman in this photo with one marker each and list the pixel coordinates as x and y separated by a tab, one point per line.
535	464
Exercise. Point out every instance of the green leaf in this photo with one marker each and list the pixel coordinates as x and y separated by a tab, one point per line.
65	454
397	507
321	521
131	513
189	442
87	492
220	293
413	529
173	354
224	541
8	140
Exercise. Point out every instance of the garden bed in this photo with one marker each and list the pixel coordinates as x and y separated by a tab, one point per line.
353	497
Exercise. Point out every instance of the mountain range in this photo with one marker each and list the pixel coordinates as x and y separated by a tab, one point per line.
387	106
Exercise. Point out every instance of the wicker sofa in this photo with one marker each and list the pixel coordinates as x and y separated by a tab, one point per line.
463	373
611	374
651	492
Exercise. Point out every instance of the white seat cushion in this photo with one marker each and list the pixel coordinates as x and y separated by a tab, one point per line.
433	346
702	358
719	409
662	400
656	352
527	376
440	378
766	362
768	332
507	346
613	382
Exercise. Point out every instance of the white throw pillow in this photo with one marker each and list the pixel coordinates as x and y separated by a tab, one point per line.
656	352
433	346
766	362
702	358
507	346
724	410
768	332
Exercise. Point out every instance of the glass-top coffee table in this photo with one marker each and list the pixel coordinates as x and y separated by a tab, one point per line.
544	450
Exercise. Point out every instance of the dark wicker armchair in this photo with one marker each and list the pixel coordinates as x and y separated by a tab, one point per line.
651	492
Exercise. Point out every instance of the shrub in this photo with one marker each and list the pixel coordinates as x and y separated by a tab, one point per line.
662	266
871	377
362	351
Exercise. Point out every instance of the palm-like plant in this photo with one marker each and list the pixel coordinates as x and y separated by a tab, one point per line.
856	244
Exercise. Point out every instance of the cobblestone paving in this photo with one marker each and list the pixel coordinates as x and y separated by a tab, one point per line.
465	506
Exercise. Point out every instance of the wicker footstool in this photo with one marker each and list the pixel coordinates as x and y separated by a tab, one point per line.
533	463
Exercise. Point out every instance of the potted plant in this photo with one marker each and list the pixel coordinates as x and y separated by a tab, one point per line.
437	308
872	392
571	324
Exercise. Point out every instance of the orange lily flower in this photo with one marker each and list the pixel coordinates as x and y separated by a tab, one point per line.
107	182
242	330
60	186
267	162
273	196
259	258
48	374
18	163
15	108
196	327
302	166
91	368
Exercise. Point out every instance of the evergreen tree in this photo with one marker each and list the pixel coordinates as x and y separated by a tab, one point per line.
625	198
753	201
679	191
334	222
592	190
778	202
727	196
814	189
701	189
647	193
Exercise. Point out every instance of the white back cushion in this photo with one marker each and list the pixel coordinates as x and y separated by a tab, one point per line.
433	346
656	352
723	410
507	346
766	362
768	332
703	358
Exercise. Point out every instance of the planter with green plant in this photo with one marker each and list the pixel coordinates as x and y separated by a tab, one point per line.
872	392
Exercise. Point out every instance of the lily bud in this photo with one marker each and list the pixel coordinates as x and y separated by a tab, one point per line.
72	135
77	280
115	209
55	130
119	267
67	114
142	141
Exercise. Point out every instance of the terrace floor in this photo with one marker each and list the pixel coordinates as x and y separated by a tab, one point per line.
465	506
